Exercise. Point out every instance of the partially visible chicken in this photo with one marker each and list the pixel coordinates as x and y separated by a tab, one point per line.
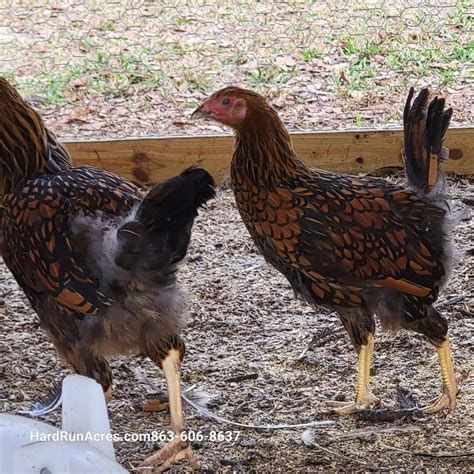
359	245
96	260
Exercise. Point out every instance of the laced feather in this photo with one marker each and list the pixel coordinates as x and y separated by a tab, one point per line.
27	147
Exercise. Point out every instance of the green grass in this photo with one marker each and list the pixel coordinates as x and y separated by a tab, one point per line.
358	122
262	75
311	53
102	73
441	54
120	50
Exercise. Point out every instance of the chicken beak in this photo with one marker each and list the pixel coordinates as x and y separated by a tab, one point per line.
201	113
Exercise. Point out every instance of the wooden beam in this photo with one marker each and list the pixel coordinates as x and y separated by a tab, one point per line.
147	160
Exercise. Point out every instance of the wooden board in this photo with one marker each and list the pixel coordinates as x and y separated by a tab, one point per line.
147	160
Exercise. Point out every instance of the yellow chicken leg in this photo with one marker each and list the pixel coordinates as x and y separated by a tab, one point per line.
176	449
364	397
450	391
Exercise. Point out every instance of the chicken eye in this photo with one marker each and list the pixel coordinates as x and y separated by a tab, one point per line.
226	101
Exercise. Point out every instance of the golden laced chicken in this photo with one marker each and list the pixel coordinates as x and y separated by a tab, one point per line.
95	258
359	245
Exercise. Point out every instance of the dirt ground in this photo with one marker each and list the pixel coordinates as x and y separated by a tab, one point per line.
138	68
245	334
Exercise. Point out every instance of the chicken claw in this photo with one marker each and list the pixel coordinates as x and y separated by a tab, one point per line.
174	451
348	408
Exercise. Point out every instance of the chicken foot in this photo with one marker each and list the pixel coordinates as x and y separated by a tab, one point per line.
448	397
364	397
178	447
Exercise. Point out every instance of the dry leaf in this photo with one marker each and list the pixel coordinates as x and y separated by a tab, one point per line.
308	437
285	61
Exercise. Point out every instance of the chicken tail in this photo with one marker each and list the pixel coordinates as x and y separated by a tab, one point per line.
27	147
158	236
424	129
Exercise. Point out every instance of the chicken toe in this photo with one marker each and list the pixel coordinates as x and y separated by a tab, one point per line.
347	408
174	451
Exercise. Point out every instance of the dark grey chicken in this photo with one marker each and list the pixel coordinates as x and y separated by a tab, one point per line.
96	260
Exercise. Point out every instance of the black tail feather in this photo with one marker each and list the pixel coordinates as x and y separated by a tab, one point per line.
159	235
424	128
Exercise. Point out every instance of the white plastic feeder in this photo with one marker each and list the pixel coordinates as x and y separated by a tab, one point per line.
83	445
